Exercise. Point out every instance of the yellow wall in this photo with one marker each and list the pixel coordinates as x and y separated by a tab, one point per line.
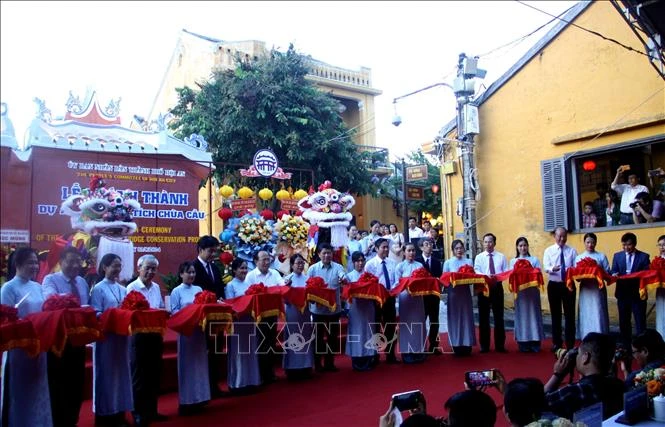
574	89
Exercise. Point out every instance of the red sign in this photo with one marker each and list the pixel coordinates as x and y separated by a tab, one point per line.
242	204
165	185
414	193
290	205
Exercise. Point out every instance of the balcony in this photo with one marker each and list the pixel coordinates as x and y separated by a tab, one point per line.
341	77
376	160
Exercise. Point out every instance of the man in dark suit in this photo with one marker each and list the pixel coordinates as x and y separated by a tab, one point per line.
209	278
433	265
627	292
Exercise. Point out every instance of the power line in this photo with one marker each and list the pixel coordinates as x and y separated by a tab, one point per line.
595	33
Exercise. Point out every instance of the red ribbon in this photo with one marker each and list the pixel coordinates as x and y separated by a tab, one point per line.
19	334
55	328
130	322
466	275
417	286
200	315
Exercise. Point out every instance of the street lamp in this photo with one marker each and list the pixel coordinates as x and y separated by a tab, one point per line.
467	127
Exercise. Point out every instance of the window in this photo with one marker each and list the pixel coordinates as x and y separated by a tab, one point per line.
586	176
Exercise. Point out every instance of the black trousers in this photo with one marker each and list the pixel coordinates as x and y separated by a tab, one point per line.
145	360
387	317
493	302
629	302
66	379
432	311
559	296
327	338
267	348
215	352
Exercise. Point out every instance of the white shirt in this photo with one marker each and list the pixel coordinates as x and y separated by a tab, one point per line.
628	194
416	233
374	266
153	294
271	278
552	258
482	263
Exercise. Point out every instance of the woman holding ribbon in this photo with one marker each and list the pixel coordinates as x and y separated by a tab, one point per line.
593	314
412	331
299	356
193	379
362	315
528	313
112	382
25	394
461	328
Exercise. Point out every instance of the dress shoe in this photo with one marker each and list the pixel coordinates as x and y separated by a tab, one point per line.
159	417
501	350
484	350
330	368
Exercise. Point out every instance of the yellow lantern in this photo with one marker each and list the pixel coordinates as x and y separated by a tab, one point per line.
300	194
283	195
245	193
226	191
265	194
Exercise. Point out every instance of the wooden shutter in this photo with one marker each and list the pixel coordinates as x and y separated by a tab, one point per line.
555	211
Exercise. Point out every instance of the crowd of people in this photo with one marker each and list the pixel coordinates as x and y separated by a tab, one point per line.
47	390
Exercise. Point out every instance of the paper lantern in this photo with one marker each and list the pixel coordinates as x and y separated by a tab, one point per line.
225	213
589	165
267	214
265	194
226	191
226	258
300	194
283	195
245	193
435	188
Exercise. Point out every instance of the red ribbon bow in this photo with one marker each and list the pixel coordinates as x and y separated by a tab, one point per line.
205	297
135	301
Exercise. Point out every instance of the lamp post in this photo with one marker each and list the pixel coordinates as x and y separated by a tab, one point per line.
405	214
467	128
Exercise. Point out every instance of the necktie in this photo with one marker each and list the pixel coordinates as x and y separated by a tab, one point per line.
563	267
629	266
212	277
428	263
386	276
492	269
75	291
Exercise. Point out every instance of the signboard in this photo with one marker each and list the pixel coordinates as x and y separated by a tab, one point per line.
415	193
265	165
242	204
166	185
14	236
290	205
416	173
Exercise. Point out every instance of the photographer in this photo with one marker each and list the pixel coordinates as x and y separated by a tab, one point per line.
593	360
649	352
414	403
643	209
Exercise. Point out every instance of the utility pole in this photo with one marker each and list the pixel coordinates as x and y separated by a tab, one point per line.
405	220
467	128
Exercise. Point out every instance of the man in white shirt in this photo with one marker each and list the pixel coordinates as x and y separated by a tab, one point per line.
66	373
326	320
556	259
414	232
145	352
384	268
267	327
628	193
490	263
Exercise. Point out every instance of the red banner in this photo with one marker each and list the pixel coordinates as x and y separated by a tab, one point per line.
242	204
290	205
166	185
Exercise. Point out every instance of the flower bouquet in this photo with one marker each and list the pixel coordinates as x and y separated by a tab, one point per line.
654	380
135	301
249	235
205	297
60	302
292	230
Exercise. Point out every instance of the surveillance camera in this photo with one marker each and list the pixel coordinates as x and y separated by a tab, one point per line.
397	120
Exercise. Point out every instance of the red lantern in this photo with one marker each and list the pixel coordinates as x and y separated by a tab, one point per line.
225	213
226	258
435	188
281	213
589	165
267	214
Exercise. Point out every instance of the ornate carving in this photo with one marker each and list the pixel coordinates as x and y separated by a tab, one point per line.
113	109
43	113
74	104
197	141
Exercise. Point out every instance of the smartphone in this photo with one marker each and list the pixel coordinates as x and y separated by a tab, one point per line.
625	168
407	400
480	378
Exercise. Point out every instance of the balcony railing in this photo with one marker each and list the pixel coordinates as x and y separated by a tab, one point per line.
325	71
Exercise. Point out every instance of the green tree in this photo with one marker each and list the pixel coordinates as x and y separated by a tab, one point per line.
432	202
268	103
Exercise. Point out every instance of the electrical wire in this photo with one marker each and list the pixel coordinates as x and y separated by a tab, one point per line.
595	33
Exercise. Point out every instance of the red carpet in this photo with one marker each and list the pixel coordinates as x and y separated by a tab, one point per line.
355	398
